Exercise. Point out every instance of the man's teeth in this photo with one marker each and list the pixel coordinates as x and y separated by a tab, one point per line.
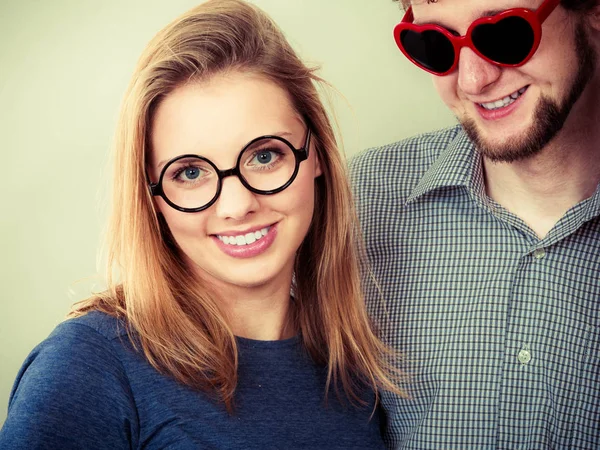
244	239
503	102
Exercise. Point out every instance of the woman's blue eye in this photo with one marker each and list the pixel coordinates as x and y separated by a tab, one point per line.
264	157
192	173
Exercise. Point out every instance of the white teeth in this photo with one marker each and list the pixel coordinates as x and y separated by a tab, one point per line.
503	102
244	239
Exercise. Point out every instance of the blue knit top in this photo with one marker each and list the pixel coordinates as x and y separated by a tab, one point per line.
85	387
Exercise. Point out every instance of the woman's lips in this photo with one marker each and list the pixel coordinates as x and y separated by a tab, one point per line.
246	245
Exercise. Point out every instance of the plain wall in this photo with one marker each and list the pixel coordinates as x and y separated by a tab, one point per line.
64	66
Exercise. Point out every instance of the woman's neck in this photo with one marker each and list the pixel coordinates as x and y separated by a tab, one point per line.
264	320
263	313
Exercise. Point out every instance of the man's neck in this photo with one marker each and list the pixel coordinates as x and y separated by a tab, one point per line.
541	189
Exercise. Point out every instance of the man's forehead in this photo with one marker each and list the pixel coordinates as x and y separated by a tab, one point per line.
499	4
436	11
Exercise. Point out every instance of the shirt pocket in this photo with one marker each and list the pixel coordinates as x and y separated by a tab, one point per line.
586	433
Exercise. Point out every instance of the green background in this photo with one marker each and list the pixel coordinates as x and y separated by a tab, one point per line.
64	65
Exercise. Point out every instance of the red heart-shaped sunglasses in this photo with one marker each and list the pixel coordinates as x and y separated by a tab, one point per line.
506	39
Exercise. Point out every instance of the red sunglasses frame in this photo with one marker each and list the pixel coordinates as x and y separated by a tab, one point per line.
534	18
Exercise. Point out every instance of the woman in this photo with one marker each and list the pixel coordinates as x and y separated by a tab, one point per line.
237	319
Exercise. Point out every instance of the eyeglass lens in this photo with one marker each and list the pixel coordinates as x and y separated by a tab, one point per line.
508	41
430	48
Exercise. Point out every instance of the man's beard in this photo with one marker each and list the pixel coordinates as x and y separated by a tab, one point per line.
549	116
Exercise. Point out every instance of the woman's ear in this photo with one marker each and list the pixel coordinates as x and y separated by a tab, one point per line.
148	180
318	171
313	144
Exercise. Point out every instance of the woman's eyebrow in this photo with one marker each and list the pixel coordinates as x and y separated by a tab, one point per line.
281	134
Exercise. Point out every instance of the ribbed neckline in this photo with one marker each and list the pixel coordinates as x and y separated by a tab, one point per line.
254	343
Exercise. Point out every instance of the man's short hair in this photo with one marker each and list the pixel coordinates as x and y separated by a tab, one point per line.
571	5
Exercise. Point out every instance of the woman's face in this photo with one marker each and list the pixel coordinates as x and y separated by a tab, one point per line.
244	239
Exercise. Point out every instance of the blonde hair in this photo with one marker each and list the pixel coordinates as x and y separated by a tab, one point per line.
175	319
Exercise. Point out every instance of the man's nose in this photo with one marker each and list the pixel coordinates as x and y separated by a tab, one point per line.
475	74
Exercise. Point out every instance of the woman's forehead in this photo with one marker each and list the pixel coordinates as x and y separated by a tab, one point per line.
222	115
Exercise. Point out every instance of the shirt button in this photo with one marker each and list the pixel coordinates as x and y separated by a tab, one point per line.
524	356
539	253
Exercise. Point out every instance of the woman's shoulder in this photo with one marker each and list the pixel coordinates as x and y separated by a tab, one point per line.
88	338
73	380
93	322
78	352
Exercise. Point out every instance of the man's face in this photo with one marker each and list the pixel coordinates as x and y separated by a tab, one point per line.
512	113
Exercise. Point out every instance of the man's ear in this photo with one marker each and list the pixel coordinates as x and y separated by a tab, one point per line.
593	17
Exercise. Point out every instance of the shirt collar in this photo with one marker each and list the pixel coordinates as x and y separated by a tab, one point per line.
459	164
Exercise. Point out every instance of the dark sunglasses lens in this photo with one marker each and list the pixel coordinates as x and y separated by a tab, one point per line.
430	48
508	41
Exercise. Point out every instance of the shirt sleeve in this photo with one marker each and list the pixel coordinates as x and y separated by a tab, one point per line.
72	392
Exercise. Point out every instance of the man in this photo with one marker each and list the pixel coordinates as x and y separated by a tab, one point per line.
484	239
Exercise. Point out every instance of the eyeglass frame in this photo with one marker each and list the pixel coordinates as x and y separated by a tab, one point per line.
535	18
300	154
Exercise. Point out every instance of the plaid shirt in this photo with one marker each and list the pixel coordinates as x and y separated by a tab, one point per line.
500	330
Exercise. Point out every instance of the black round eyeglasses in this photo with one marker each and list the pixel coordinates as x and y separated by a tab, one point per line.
266	165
